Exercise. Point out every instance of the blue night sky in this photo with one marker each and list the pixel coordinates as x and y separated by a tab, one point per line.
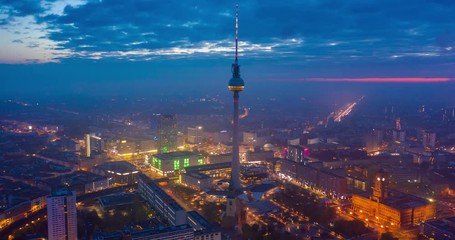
77	44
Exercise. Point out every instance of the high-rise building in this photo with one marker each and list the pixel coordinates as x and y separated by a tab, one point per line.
222	136
398	124
374	140
93	143
256	138
88	150
195	135
167	133
398	134
61	215
429	140
154	122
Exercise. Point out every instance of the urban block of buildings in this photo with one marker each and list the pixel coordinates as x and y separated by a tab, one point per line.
80	181
164	204
391	208
18	200
174	214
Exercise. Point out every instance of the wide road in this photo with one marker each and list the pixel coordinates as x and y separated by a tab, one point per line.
344	111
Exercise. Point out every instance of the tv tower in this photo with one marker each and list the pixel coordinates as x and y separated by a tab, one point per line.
235	214
236	85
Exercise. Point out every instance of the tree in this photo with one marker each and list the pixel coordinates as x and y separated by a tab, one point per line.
350	228
255	227
388	236
210	211
247	231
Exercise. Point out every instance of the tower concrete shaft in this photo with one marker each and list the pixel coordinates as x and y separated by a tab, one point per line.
235	144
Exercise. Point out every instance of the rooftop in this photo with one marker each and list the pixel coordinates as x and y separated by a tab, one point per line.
73	179
161	193
261	187
261	207
340	172
208	167
173	155
399	200
117	199
62	192
195	220
117	167
445	224
197	175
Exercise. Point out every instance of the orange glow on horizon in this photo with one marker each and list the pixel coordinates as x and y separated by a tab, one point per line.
389	80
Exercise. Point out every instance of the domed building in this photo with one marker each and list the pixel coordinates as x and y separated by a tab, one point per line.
268	147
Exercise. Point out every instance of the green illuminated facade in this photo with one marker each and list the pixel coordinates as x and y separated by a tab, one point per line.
155	162
186	162
164	149
176	165
172	162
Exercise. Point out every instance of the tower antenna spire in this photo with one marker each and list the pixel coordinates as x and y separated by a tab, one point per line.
236	33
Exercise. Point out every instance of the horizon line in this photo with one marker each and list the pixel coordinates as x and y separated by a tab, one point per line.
379	80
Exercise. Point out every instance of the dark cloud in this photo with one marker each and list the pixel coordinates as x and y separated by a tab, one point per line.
128	25
381	34
22	7
347	29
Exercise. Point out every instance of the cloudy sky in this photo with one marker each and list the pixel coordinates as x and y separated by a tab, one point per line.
77	42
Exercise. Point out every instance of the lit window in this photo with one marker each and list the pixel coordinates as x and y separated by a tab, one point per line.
176	165
186	162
